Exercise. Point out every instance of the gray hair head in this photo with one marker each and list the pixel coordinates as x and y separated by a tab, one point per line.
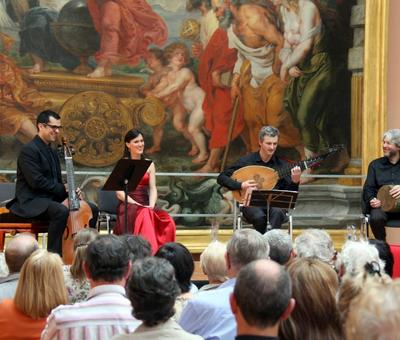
393	136
355	255
269	131
315	243
280	245
246	245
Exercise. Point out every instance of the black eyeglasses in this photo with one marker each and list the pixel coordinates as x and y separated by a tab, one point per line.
53	127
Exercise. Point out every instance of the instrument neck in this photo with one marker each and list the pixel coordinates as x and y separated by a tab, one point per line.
286	171
72	196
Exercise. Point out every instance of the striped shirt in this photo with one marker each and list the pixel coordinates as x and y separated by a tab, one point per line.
106	312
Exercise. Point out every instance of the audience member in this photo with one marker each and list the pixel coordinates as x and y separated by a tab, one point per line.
351	286
315	244
209	314
385	254
138	247
261	298
107	311
316	315
280	245
17	251
212	263
152	289
354	256
40	289
182	261
75	279
374	314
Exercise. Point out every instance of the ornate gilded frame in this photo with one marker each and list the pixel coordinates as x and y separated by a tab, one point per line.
374	116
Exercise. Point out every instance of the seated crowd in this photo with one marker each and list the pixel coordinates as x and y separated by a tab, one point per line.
259	287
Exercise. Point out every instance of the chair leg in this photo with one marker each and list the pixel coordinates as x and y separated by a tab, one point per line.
2	240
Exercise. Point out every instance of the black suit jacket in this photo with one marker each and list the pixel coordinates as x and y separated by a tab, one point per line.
37	185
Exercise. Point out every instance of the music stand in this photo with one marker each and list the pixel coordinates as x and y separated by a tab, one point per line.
285	199
125	176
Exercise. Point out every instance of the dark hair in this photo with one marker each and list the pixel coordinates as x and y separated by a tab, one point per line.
192	5
152	290
159	54
138	247
181	259
44	116
107	258
385	254
131	134
261	296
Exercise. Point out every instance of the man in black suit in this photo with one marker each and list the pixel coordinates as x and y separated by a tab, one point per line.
39	190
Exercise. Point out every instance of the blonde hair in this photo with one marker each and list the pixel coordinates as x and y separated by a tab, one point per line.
81	241
212	262
41	285
374	314
314	287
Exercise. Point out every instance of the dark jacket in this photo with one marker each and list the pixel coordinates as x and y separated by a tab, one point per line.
38	180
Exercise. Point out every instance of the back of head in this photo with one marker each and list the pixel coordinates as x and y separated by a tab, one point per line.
354	256
262	291
41	285
18	250
315	316
107	258
152	290
315	244
81	241
246	245
138	247
280	245
181	259
351	286
385	254
374	314
212	261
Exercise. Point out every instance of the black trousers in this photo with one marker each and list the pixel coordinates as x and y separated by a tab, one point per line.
57	215
377	221
258	217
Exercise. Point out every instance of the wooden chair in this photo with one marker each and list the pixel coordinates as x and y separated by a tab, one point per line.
9	223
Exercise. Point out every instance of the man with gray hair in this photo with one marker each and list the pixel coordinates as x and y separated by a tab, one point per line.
208	314
316	244
17	251
261	299
260	217
280	245
383	171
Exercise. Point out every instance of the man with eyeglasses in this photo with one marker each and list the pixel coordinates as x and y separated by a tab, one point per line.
40	191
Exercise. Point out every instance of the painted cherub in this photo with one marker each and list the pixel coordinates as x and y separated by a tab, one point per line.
178	90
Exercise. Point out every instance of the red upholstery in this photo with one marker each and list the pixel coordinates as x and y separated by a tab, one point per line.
396	255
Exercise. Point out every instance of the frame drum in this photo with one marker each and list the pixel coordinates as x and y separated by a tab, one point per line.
389	204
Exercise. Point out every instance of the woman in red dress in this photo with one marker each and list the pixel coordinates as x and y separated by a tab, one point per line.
144	218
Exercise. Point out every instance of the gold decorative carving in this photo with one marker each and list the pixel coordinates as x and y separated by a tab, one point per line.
95	124
66	82
150	110
374	117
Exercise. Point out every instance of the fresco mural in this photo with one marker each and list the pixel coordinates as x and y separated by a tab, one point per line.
196	76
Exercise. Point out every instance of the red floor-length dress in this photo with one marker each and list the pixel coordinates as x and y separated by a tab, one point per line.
155	225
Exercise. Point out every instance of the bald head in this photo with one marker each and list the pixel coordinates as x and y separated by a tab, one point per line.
18	250
263	291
